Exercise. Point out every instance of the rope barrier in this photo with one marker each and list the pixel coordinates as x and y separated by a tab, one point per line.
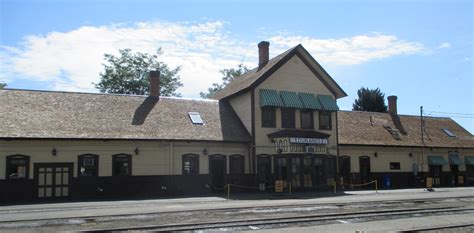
359	185
227	187
371	182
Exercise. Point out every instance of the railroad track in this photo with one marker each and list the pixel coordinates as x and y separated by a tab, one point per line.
26	210
293	220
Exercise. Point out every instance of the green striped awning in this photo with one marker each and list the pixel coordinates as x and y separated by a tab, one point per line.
270	98
328	103
290	99
454	160
309	101
469	160
436	160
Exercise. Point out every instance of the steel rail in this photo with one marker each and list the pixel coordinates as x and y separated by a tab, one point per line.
280	220
204	209
438	227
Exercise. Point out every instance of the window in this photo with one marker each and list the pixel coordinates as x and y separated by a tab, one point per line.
288	118
237	165
325	120
268	117
196	118
17	167
190	164
307	119
448	132
88	165
122	165
394	166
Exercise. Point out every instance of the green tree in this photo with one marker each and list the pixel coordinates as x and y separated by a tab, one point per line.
228	76
128	74
370	100
2	85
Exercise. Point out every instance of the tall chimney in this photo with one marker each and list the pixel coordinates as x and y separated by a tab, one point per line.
263	53
155	83
392	104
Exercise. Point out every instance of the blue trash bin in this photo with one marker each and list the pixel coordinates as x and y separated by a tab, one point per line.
387	183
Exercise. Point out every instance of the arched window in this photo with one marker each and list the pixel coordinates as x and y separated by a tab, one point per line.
18	167
190	164
122	165
237	164
87	165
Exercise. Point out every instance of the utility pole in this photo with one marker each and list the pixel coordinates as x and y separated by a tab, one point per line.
422	128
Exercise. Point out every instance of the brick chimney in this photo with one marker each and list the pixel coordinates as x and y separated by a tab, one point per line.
154	83
263	53
392	104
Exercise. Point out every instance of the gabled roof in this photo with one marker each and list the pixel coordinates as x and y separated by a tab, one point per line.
371	128
257	75
67	115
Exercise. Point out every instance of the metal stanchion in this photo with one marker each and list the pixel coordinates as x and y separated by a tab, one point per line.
228	191
290	188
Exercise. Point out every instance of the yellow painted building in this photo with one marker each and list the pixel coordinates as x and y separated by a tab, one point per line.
277	122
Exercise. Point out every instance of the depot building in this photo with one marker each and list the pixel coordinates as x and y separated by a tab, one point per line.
279	121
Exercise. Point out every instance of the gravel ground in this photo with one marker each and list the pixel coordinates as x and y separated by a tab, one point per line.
192	210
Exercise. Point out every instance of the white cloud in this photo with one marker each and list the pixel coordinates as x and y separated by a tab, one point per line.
73	60
353	50
444	45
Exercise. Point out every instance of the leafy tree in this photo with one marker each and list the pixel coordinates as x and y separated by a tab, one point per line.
2	85
370	100
228	76
128	74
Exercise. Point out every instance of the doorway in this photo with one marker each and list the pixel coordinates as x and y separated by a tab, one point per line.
435	172
53	180
454	175
345	169
217	171
364	168
264	169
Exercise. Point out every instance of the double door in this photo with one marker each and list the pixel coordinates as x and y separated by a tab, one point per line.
304	171
53	180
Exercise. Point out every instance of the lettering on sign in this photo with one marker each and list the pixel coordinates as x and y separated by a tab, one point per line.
320	141
284	146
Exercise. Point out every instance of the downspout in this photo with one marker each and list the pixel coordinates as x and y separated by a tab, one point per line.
337	149
171	157
252	104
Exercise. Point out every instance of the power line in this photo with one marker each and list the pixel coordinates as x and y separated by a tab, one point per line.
453	113
440	115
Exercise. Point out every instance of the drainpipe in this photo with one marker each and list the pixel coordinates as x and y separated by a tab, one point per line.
337	151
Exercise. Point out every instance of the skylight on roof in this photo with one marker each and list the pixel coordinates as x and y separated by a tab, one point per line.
195	118
448	132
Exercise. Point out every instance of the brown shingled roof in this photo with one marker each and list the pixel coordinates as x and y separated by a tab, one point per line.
371	128
252	77
67	115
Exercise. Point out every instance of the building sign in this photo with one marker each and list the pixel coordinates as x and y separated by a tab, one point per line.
297	146
279	186
321	141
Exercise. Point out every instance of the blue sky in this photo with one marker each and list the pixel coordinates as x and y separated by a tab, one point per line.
421	51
